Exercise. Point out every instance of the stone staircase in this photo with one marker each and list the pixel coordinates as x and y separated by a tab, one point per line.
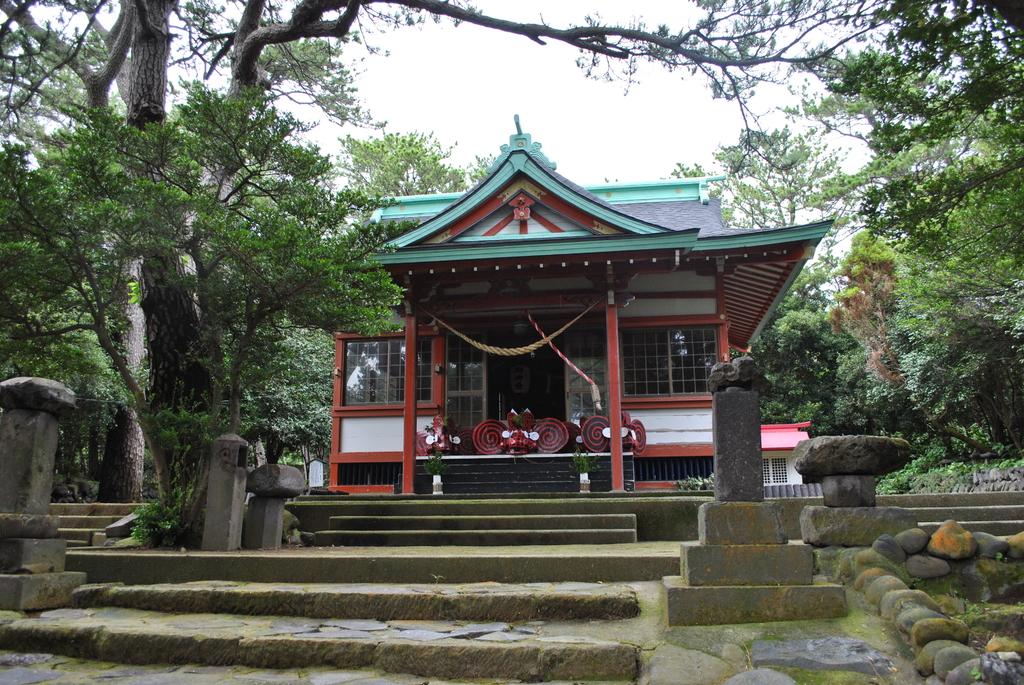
479	530
996	513
82	525
536	632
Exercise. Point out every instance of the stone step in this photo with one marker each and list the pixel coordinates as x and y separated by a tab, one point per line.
990	527
470	602
94	509
523	564
960	499
990	513
77	543
392	538
428	648
551	522
703	605
79	534
92	522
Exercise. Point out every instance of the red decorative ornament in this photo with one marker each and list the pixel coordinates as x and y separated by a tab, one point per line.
574	433
465	445
639	437
552	436
596	434
440	436
519	437
487	437
422	448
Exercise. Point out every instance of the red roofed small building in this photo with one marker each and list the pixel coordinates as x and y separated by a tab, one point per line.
600	309
777	443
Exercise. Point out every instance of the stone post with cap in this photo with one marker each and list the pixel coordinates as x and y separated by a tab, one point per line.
32	575
742	569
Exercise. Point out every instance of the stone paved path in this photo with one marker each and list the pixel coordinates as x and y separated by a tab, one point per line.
706	655
25	669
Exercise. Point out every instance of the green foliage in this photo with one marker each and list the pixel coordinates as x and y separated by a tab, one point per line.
400	164
164	523
697	483
288	394
933	471
582	461
434	463
245	220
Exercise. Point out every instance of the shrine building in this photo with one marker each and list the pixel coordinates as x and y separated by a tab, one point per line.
598	309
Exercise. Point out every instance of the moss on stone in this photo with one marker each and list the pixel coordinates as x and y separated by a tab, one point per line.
806	677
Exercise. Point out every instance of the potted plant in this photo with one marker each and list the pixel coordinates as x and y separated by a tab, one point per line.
435	466
582	463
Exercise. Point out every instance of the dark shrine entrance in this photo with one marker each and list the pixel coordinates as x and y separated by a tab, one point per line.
534	381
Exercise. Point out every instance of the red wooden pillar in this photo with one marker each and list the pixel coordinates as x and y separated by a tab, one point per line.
611	318
409	413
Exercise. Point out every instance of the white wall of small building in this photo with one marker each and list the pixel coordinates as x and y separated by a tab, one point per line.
675	425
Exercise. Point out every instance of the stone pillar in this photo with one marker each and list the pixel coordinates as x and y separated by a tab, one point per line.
32	575
225	494
742	570
736	431
271	485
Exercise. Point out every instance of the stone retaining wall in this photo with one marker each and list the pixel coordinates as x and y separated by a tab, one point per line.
995	480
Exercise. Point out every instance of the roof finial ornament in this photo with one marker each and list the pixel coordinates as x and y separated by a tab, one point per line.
521	142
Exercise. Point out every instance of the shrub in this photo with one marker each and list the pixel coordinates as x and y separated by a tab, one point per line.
933	472
697	483
583	462
435	465
163	523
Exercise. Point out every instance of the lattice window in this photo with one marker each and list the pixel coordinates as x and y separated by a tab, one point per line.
668	361
587	350
466	383
375	371
774	470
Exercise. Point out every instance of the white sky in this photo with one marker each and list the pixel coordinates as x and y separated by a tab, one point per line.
465	83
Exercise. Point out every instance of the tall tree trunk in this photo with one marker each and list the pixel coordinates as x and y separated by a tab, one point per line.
147	76
124	454
178	381
121	475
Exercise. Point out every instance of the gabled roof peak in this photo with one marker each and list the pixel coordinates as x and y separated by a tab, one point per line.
520	141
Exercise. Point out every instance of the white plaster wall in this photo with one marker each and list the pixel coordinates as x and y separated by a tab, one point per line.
675	425
371	434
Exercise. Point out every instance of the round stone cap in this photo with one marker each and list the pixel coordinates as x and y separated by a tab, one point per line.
276	480
38	394
849	455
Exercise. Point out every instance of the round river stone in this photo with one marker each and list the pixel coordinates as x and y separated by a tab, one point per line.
990	546
912	540
924	662
930	629
887	546
924	566
952	541
950	657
